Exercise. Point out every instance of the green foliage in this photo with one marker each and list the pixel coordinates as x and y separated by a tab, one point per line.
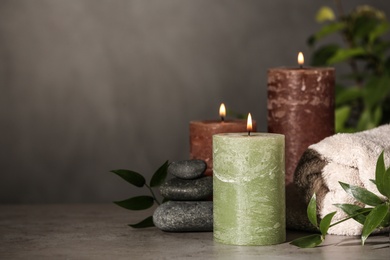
147	222
325	223
342	114
326	30
322	54
136	203
130	176
363	101
312	210
371	218
382	176
386	221
308	241
235	114
142	202
325	14
361	194
354	210
160	175
315	239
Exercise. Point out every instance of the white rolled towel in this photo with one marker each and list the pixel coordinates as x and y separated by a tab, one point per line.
349	158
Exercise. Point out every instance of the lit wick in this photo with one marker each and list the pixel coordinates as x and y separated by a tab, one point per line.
301	60
249	124
222	112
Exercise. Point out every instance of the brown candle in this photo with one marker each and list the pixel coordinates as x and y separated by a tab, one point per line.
201	137
300	106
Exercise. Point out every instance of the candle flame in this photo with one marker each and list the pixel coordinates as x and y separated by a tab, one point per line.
301	59
222	110
249	123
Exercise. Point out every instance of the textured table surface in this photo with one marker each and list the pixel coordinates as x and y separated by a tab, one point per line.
99	231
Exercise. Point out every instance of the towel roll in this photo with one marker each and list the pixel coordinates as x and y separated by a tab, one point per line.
349	158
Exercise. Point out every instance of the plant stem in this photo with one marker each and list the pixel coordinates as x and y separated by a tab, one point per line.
154	196
352	216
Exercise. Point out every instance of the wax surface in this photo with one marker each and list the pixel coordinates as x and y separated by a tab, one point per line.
249	189
201	137
300	106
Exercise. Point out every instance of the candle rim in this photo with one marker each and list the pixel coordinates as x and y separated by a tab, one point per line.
226	121
253	134
306	68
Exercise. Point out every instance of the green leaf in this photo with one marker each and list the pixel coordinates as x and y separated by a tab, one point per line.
325	223
236	114
160	175
130	176
345	54
321	56
363	26
366	120
377	115
386	220
386	111
147	222
379	30
136	203
347	95
341	117
327	30
374	219
361	194
308	241
311	40
379	49
312	210
375	90
324	14
352	210
387	181
382	176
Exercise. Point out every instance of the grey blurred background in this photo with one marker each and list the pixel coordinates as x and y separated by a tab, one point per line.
88	86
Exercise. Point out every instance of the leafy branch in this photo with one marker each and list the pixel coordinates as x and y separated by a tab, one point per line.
142	202
363	94
372	218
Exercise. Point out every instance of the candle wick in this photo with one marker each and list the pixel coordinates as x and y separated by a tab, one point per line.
249	133
301	66
222	118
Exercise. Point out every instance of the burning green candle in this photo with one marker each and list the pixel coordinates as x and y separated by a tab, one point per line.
249	189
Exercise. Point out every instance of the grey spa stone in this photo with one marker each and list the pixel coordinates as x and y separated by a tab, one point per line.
184	216
188	169
178	189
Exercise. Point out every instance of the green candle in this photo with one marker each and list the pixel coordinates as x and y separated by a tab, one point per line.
249	191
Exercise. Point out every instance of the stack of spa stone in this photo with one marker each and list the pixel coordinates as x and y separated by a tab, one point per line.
189	193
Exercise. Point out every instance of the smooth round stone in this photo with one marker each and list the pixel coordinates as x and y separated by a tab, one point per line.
188	169
178	189
181	216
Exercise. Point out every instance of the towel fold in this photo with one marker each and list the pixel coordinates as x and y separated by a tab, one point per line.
349	158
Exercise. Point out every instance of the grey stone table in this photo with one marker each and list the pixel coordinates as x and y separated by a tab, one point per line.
101	232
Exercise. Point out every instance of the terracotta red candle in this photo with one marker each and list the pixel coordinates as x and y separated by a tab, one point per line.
201	136
300	106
